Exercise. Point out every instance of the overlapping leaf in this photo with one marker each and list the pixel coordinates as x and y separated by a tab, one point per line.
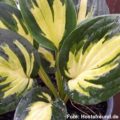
90	59
49	21
47	55
11	18
38	105
19	62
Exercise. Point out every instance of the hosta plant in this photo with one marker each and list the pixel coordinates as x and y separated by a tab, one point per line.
46	37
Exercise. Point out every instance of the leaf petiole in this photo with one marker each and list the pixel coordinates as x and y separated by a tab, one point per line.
45	78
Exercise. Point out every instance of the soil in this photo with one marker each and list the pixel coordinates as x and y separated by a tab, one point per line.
7	116
82	112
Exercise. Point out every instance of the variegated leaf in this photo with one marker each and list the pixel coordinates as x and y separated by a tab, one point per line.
19	62
11	18
38	105
85	10
10	2
49	21
47	55
82	11
90	59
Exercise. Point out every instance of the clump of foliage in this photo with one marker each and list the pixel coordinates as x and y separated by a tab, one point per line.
50	36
